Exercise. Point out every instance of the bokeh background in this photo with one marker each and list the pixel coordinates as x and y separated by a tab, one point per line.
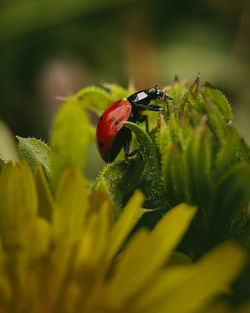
49	49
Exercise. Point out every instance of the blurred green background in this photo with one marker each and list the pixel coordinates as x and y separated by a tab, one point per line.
50	49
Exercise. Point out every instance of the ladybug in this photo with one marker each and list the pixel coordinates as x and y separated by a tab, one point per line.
112	135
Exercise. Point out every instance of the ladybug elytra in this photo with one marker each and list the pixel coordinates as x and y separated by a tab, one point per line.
112	135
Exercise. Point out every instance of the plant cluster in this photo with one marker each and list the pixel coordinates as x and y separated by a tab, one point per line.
67	246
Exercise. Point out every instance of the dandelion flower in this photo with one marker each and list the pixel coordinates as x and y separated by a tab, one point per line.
68	254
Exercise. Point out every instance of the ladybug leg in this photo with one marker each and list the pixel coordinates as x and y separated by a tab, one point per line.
152	107
132	153
156	106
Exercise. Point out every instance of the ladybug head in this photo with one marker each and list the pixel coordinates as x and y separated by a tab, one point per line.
157	93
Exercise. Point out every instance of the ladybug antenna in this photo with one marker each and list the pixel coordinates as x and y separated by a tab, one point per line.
169	98
164	96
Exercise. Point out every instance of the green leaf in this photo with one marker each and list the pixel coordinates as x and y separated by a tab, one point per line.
244	150
173	129
151	183
185	133
195	86
232	194
228	154
162	135
69	140
93	98
143	138
217	124
46	204
169	131
177	91
219	99
34	152
173	175
120	179
192	106
18	202
197	160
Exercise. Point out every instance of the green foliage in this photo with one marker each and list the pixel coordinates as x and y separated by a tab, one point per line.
151	173
177	91
93	98
231	199
123	176
218	98
173	174
35	152
69	140
192	154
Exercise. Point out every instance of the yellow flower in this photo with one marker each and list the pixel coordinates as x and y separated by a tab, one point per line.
68	254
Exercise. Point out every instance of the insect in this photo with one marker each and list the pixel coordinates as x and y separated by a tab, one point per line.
112	135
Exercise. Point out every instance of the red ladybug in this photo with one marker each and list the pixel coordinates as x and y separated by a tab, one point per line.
111	135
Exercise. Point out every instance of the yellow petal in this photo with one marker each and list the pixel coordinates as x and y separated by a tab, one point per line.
18	202
58	272
143	258
38	238
95	238
45	200
5	286
162	282
125	223
97	197
209	277
8	151
72	204
117	290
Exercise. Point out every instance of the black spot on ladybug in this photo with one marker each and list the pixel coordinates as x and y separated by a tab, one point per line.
115	121
100	144
101	117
